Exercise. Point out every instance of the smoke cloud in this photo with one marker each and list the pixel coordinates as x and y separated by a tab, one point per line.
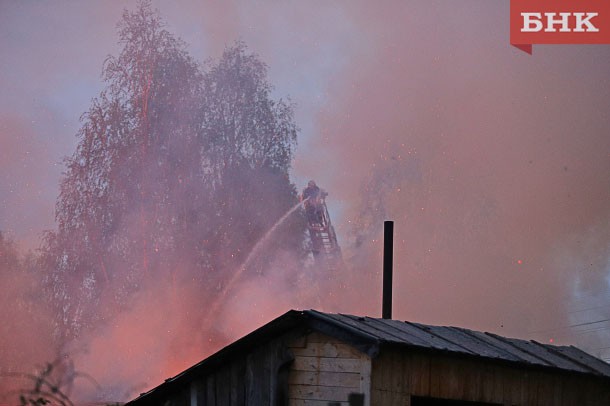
493	164
488	161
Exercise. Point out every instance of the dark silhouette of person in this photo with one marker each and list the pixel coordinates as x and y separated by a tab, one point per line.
311	192
313	207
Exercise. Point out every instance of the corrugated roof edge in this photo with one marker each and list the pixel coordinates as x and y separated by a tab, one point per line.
540	355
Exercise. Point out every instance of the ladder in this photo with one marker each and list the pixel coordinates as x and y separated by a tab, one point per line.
324	245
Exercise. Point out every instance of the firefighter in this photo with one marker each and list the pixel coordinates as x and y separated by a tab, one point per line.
313	207
311	192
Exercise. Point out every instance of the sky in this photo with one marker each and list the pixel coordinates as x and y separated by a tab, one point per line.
494	164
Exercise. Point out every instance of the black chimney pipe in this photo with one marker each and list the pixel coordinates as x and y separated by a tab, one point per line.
388	252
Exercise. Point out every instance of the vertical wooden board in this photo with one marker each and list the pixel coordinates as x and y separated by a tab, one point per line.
404	377
211	390
435	378
374	377
426	375
547	389
250	383
396	399
262	379
201	392
386	373
487	382
442	372
184	398
499	381
384	398
257	378
508	386
392	366
594	392
569	393
268	387
466	377
545	392
445	384
389	373
601	391
473	377
531	388
471	381
223	387
404	399
584	394
521	395
544	389
393	399
513	391
604	391
397	375
399	380
193	393
377	382
376	371
557	383
419	374
411	368
457	370
376	397
238	386
479	380
581	390
415	373
382	373
365	379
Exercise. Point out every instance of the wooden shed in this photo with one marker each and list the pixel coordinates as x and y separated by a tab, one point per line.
305	358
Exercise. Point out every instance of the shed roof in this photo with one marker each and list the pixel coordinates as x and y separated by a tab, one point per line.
468	342
371	335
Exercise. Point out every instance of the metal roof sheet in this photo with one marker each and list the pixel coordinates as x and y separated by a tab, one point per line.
469	342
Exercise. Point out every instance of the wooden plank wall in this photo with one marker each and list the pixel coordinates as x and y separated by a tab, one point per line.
396	375
251	380
248	380
326	371
322	371
224	387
